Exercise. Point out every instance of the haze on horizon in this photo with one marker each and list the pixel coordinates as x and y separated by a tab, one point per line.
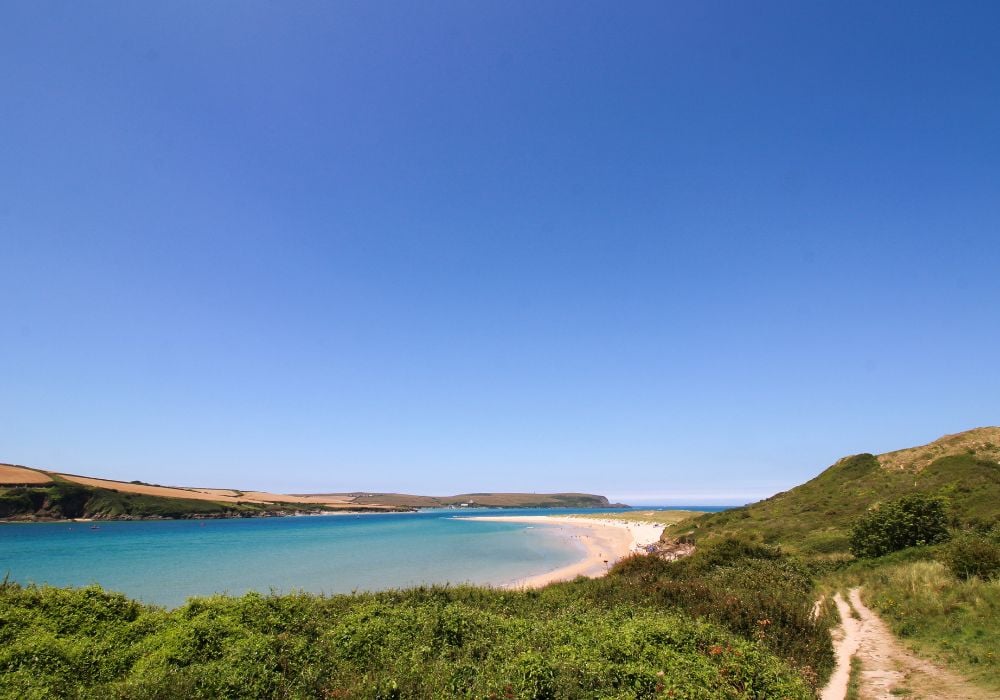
690	251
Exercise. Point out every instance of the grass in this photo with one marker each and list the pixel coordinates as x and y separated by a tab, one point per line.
814	519
854	680
950	620
733	622
66	499
656	517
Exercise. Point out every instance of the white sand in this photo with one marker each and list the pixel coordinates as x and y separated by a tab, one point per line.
603	542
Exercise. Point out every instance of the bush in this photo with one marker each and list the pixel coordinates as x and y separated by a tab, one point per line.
753	590
973	554
907	522
420	643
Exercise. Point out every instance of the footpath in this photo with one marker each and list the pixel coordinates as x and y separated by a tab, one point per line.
888	669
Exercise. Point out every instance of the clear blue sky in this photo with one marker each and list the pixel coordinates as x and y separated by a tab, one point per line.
680	250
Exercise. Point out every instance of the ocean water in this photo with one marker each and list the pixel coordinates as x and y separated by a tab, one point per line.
165	562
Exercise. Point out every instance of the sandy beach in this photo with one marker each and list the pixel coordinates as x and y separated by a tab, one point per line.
603	542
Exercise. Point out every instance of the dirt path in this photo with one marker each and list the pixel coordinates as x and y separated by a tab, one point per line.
888	670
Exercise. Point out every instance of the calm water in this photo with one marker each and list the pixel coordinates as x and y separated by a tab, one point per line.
165	562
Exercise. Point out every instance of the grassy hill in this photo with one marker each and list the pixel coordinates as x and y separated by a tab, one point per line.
815	518
61	499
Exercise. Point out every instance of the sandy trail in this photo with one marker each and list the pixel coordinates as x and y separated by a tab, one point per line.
888	670
846	638
604	542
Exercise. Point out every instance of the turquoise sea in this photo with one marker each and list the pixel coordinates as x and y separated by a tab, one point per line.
165	562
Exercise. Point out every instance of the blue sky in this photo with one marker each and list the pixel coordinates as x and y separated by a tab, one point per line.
670	252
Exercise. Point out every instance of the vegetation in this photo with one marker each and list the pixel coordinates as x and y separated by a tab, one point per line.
854	680
974	554
951	619
910	521
66	499
754	591
815	518
634	634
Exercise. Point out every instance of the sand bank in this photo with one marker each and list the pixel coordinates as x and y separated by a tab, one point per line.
602	543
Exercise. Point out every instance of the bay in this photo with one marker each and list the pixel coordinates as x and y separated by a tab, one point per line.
165	562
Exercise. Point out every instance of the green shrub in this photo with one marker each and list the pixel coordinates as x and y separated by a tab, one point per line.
69	500
821	542
12	503
421	643
753	590
973	554
908	522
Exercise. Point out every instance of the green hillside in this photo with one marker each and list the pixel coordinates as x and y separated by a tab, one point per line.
63	499
815	518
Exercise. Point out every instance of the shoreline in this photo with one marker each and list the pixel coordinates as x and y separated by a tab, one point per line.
201	516
603	543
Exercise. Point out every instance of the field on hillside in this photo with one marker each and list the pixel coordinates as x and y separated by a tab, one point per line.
62	499
192	493
14	475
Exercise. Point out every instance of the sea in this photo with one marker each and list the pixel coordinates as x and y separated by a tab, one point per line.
164	562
